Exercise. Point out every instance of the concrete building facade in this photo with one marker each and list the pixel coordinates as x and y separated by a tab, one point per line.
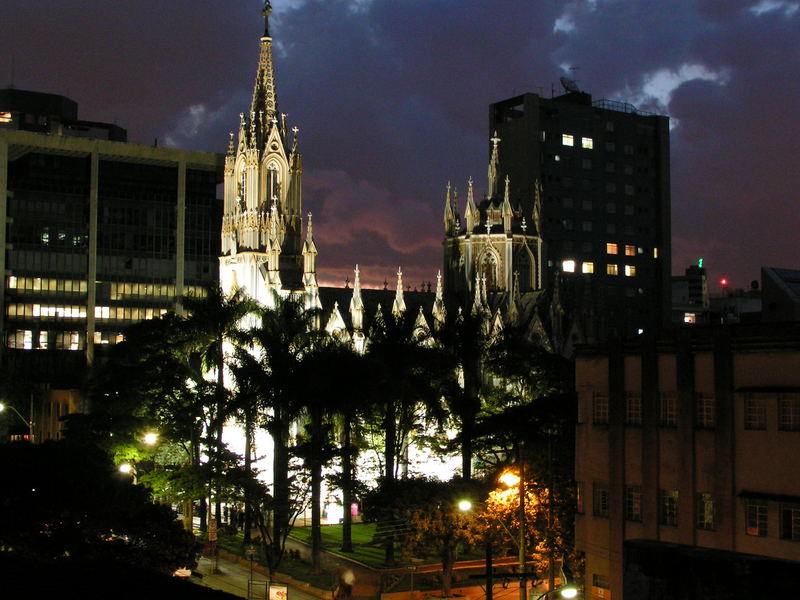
692	441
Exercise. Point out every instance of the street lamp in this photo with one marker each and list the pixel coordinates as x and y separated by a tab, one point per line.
29	424
150	438
566	591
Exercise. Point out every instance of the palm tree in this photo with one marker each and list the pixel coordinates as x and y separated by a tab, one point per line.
464	339
214	318
280	338
404	372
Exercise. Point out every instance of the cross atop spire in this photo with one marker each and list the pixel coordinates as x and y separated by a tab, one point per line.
267	10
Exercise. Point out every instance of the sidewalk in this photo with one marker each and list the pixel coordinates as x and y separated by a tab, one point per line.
233	577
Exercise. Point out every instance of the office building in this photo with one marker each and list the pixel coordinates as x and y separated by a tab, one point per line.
99	234
600	172
687	448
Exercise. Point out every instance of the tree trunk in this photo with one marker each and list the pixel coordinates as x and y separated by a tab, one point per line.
248	465
390	426
280	491
447	569
347	487
316	491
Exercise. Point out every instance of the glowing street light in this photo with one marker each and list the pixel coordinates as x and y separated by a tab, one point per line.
509	479
464	505
150	438
125	468
566	591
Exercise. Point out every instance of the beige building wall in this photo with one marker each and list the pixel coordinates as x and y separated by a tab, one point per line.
689	457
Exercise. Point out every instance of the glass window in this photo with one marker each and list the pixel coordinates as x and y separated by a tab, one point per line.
789	412
567	139
630	271
756	517
586	225
633	408
587	143
600	504
704	410
567	202
611	248
668	409
612	269
755	412
668	507
600	409
610	169
586	204
705	511
568	266
633	503
587	267
790	522
630	250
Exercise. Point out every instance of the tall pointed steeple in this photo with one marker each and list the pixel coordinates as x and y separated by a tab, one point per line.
399	305
507	212
264	98
494	163
356	304
439	310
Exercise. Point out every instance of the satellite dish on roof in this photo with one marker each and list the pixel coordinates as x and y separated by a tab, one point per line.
569	84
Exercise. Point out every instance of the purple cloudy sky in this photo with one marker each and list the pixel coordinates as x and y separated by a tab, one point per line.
391	97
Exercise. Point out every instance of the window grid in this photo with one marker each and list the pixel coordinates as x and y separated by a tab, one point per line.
705	413
668	507
668	409
789	412
600	409
633	408
790	522
756	518
600	503
705	511
755	412
633	503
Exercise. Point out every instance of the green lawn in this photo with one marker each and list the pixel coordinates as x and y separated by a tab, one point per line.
364	550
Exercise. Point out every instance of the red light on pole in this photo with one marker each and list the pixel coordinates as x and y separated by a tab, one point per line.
723	282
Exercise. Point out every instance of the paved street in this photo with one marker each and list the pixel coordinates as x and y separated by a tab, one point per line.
233	577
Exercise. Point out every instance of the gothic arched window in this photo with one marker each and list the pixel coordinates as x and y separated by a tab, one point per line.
241	190
489	270
524	267
273	184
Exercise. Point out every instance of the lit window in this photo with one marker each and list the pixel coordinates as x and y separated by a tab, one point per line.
690	318
705	511
5	117
587	143
568	266
612	269
611	248
655	252
630	250
42	340
567	139
587	267
544	136
756	518
630	271
556	158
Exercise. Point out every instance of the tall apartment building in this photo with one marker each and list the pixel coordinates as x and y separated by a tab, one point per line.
98	234
601	173
687	454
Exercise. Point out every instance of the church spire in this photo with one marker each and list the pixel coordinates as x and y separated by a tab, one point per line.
356	304
264	98
399	305
493	166
439	310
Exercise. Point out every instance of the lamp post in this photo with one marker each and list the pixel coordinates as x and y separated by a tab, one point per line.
28	423
566	591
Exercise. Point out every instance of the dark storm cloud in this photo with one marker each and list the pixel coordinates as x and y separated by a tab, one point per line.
391	97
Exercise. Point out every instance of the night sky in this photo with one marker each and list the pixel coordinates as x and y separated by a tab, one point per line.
391	97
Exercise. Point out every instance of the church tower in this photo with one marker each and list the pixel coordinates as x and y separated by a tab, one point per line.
496	248
262	246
